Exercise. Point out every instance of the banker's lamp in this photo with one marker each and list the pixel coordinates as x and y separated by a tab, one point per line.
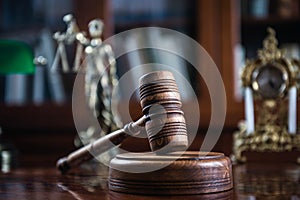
16	57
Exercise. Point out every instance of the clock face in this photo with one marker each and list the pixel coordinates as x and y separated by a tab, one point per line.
269	81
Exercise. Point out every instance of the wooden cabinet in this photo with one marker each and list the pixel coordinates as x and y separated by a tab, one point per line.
219	33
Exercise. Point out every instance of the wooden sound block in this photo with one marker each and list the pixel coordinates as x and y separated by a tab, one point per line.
190	173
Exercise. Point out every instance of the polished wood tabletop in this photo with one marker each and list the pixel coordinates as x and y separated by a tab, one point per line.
251	181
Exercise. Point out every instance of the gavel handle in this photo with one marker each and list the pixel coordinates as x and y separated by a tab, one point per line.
99	146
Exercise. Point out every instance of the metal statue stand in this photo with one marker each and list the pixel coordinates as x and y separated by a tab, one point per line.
99	68
100	78
71	35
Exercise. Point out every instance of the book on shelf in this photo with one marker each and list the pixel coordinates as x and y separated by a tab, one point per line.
39	78
255	8
259	8
16	89
287	8
239	63
52	81
270	8
174	14
143	60
173	62
133	67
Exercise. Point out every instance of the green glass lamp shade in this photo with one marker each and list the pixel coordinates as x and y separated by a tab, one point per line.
16	57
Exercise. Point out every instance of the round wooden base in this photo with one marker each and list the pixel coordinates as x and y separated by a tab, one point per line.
190	173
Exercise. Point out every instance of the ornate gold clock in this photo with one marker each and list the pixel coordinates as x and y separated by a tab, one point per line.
271	84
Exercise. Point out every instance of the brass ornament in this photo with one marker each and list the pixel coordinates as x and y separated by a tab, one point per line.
96	61
269	76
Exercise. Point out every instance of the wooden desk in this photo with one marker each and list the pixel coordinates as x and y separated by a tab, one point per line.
251	181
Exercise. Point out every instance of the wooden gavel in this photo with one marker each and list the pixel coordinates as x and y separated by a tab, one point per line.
163	120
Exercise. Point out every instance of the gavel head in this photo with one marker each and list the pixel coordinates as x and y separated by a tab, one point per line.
161	104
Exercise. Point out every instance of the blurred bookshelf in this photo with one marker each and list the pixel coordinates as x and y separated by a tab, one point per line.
282	15
34	22
31	22
174	14
202	20
219	26
227	30
32	18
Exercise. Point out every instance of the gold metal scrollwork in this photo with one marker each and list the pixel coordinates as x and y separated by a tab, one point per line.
271	133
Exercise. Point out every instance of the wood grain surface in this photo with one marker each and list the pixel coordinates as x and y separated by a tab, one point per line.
175	173
251	181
